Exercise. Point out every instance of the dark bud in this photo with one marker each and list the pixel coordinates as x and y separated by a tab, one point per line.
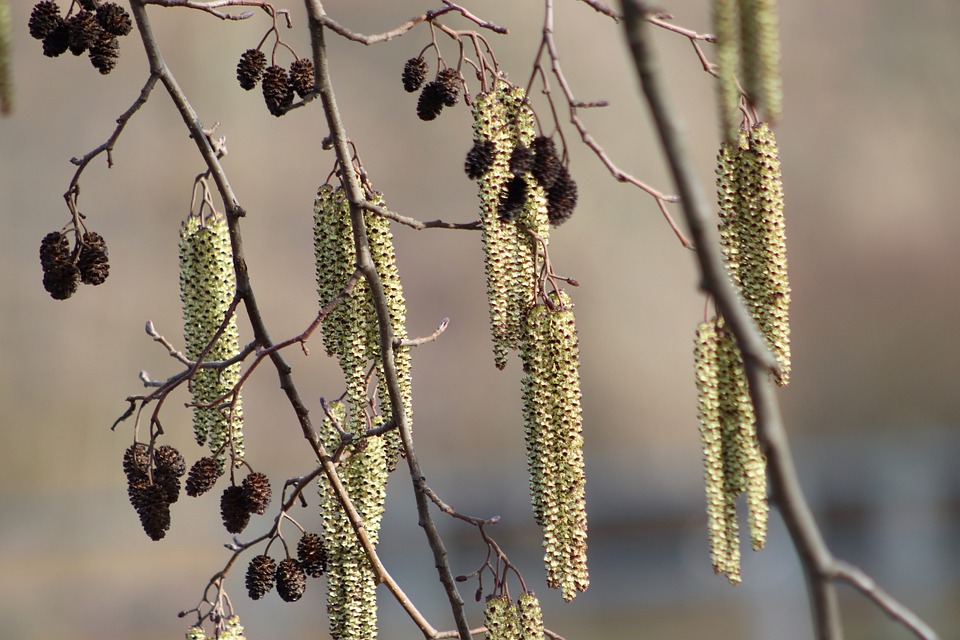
291	580
92	262
44	18
561	198
260	576
546	163
256	491
250	68
114	19
203	475
449	80
234	509
105	52
521	159
414	72
57	41
301	76
312	555
154	511
60	280
512	199
83	31
430	103
479	159
276	90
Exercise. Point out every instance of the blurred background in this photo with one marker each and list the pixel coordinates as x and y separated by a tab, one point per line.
869	149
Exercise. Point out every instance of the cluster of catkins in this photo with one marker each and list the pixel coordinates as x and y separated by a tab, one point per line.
443	91
279	85
748	56
228	628
753	242
95	29
506	620
290	574
65	268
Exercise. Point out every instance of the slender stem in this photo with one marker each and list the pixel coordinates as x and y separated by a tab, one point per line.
365	264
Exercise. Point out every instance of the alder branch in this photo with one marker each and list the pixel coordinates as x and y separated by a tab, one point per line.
355	195
416	342
245	291
429	16
821	568
417	224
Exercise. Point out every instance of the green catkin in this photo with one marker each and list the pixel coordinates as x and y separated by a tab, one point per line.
759	27
6	80
351	587
530	617
207	287
726	27
503	118
553	433
733	462
753	235
501	618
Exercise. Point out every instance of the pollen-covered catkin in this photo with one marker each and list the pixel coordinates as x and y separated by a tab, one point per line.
726	27
503	118
531	617
501	618
207	287
753	235
553	434
759	28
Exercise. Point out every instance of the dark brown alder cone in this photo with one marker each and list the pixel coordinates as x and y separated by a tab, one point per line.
114	19
561	198
312	555
154	510
57	41
168	460
479	159
546	163
276	90
430	103
83	31
260	576
92	262
105	52
513	198
54	247
136	464
449	81
44	18
60	280
234	509
521	159
250	68
414	73
203	475
291	580
256	490
301	76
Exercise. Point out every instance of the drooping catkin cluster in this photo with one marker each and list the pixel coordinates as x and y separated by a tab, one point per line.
506	620
733	462
753	235
351	331
513	209
554	440
748	49
207	287
351	588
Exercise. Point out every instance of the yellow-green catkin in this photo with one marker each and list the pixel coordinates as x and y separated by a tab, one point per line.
510	252
726	28
231	629
6	79
351	587
753	235
733	461
553	428
207	288
759	28
501	618
531	617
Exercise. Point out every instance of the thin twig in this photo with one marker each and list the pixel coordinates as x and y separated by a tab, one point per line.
211	7
416	342
418	224
429	16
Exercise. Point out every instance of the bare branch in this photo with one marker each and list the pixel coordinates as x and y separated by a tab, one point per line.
429	16
417	224
416	342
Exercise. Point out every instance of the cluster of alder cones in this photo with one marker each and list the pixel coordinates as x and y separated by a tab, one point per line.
95	30
279	85
65	268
